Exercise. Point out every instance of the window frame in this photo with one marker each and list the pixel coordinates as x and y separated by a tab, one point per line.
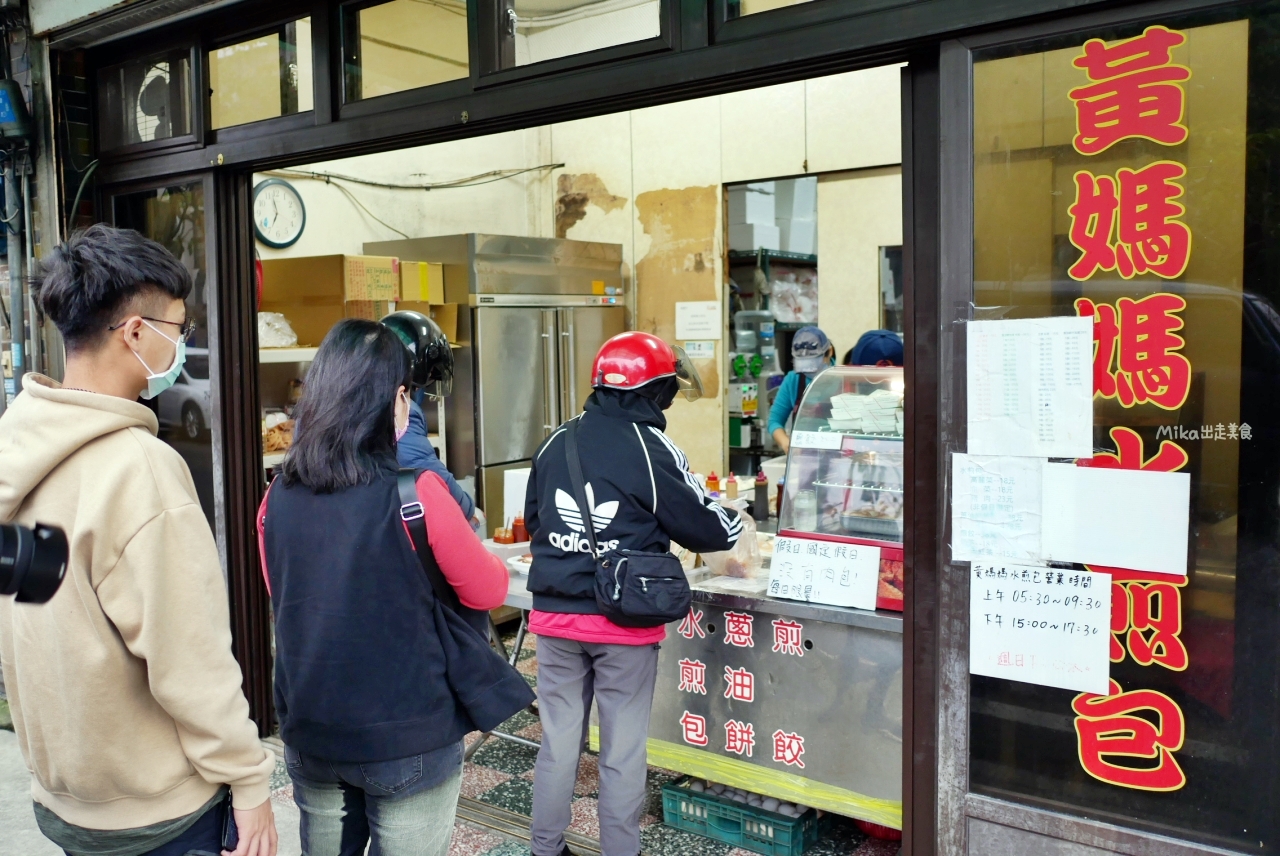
194	136
432	92
1018	822
301	118
492	37
105	197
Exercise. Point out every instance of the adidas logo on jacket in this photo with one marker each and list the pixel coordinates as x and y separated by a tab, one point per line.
640	494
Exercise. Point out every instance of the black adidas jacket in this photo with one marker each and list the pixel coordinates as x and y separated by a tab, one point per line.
641	493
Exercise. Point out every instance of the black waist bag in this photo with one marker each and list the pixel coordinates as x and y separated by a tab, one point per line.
633	588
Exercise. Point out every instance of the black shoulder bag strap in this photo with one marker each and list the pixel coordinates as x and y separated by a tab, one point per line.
795	408
414	517
579	491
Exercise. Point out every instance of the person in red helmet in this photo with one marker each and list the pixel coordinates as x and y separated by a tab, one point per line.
641	497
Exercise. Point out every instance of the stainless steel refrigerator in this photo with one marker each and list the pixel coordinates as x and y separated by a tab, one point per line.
535	311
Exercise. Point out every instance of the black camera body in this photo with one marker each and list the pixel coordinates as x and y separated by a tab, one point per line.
33	562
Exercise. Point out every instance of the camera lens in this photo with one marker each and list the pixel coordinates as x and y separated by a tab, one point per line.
32	561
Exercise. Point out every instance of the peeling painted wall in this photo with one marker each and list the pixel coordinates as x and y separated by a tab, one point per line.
681	265
574	193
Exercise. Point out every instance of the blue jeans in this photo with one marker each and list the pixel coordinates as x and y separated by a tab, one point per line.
203	838
404	807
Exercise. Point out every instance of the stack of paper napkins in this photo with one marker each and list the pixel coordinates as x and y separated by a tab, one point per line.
877	413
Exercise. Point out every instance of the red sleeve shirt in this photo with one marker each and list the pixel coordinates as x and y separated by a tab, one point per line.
478	576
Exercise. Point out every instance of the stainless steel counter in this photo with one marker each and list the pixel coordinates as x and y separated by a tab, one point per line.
518	596
818	688
890	622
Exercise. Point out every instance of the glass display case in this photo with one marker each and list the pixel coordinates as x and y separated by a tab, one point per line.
844	478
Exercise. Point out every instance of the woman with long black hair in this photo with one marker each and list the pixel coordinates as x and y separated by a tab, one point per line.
372	731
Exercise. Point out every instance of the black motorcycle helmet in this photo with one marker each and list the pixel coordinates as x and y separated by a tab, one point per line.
429	351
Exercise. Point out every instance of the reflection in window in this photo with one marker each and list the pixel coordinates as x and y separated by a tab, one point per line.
539	30
1188	745
891	299
403	44
239	77
145	100
174	217
739	8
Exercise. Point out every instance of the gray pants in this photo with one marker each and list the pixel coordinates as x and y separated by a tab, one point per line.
621	678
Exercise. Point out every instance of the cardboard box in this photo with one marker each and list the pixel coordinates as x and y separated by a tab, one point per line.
371	278
444	314
754	236
799	236
797	198
370	310
752	203
422	282
312	292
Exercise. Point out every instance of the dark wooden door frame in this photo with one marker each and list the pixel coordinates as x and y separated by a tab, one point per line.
921	182
237	438
242	445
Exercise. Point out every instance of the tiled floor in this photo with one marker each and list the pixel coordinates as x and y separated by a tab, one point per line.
501	774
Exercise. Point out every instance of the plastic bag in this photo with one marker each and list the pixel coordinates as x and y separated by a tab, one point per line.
795	294
743	560
274	331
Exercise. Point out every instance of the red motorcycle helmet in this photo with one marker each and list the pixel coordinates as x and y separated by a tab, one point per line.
630	360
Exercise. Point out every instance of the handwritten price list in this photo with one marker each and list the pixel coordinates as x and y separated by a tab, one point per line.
1040	626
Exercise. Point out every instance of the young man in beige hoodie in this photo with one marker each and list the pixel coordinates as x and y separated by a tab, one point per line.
126	699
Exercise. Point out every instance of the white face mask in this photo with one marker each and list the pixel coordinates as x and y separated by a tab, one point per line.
158	383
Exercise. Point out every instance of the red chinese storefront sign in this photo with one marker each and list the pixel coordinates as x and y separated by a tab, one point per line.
786	747
1118	746
1137	352
1135	91
1130	223
1115	745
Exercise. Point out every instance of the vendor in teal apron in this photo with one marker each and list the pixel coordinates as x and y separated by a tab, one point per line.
811	353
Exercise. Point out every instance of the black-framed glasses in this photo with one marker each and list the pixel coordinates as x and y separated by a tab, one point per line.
185	328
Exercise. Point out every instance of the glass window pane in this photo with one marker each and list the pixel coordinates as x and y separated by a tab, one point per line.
145	100
738	8
547	29
1131	178
239	74
404	44
174	216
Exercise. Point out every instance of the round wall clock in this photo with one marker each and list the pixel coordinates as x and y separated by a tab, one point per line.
278	213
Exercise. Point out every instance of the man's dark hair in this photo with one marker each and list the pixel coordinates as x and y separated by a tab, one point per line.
345	423
89	278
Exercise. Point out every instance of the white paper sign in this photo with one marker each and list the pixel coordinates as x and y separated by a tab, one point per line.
995	508
816	440
514	485
1133	519
1030	383
825	572
1041	626
698	319
700	350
